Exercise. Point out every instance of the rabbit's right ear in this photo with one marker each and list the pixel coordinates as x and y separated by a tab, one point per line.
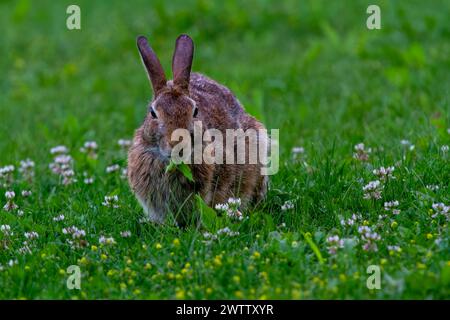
151	62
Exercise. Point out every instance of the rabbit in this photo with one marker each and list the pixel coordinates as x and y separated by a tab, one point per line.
176	104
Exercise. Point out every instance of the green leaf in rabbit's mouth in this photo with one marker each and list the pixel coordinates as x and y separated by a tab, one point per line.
181	167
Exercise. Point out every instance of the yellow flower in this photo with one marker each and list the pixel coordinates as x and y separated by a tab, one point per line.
170	264
137	292
129	261
421	265
256	255
123	286
187	265
176	242
94	248
383	261
394	225
144	246
158	246
429	236
104	256
110	273
263	275
238	294
27	268
83	260
296	294
147	266
210	290
342	277
218	261
61	271
236	279
43	255
180	294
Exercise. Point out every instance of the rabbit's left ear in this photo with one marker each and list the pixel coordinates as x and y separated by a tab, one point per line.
182	61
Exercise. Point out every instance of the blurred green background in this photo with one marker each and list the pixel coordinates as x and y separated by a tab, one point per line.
309	67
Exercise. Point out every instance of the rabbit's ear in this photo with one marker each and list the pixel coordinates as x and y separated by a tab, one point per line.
182	61
151	62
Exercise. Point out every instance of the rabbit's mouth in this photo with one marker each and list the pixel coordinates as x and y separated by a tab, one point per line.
161	155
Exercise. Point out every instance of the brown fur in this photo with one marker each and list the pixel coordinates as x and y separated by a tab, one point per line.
161	193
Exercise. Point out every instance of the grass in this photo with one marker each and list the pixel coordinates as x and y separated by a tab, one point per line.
310	68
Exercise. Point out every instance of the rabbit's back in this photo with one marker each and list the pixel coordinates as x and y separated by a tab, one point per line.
219	107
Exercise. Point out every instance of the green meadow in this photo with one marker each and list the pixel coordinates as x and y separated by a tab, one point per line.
364	159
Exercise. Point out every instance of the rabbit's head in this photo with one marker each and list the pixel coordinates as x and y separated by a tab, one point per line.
171	107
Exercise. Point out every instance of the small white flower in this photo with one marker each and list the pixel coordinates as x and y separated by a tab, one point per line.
31	235
105	240
373	190
124	143
392	206
288	205
125	234
59	218
298	150
10	195
59	150
111	201
112	168
26	193
384	173
444	148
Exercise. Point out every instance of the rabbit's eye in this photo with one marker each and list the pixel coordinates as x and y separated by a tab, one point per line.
195	112
153	114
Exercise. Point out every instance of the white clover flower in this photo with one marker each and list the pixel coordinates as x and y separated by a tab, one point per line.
88	180
111	201
407	144
334	243
59	218
432	187
221	207
125	234
373	190
6	229
234	201
59	150
12	262
123	143
288	205
384	173
112	168
394	248
440	209
297	152
10	195
7	170
444	148
361	153
392	206
105	240
74	232
31	235
26	193
27	168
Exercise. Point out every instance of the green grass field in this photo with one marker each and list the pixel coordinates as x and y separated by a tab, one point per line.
309	68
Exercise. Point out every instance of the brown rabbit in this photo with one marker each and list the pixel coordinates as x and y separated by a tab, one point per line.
177	104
